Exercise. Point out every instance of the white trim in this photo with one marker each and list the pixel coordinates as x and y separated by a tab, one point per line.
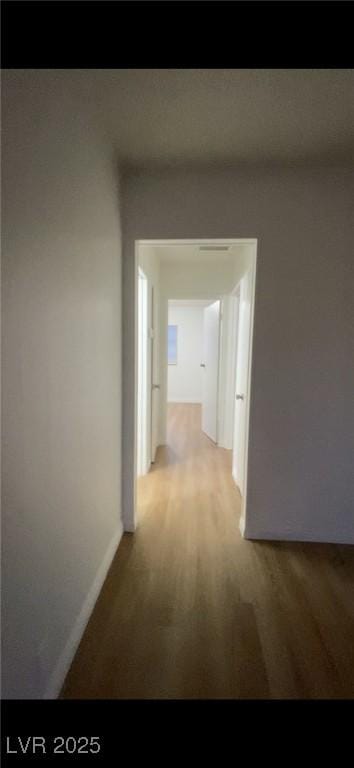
308	536
202	241
253	269
242	525
130	514
227	362
144	390
63	665
219	301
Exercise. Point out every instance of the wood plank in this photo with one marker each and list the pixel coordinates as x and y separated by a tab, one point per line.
191	610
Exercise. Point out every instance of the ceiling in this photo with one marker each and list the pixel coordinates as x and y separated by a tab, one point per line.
192	253
164	116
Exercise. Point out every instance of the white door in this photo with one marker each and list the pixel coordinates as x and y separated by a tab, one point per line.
155	387
210	373
242	381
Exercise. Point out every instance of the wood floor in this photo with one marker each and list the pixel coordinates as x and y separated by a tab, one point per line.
191	610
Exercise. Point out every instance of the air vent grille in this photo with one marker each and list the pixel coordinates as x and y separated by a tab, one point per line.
214	247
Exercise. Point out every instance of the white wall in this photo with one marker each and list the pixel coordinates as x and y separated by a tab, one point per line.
185	378
300	480
61	301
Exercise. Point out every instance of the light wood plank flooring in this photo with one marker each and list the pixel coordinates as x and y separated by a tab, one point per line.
190	610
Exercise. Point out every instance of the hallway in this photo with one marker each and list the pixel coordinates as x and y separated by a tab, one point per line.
191	610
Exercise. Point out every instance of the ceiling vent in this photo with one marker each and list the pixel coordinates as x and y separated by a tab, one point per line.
214	247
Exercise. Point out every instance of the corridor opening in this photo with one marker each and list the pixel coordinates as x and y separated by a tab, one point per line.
200	309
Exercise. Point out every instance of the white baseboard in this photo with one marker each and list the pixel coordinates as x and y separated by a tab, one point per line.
236	483
58	676
305	536
242	526
224	444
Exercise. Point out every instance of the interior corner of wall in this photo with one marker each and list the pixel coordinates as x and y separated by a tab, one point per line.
242	527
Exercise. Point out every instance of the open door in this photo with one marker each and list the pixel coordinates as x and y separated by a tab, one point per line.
143	378
210	365
155	387
242	381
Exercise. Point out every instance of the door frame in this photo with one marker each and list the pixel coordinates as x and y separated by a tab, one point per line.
237	290
142	430
153	385
131	522
227	367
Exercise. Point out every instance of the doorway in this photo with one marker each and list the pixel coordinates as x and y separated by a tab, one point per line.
229	266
